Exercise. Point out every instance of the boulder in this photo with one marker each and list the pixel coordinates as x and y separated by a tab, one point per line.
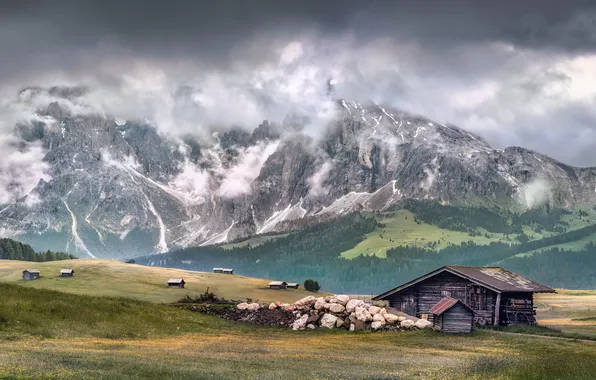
407	324
381	303
242	306
374	310
328	298
390	318
422	323
310	326
352	317
401	318
328	321
362	314
377	325
366	305
352	327
287	307
272	306
353	304
253	306
342	299
300	323
383	311
339	322
313	317
378	318
359	326
336	308
333	300
319	304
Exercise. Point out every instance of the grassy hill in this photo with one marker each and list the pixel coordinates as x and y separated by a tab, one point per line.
50	334
117	279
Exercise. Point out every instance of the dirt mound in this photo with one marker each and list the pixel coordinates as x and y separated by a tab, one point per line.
261	317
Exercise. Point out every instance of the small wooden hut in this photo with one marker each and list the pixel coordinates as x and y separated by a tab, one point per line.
131	261
278	285
66	272
176	283
31	274
217	270
293	285
227	271
450	315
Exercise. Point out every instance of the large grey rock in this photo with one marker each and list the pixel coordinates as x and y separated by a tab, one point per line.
300	323
353	304
328	321
336	308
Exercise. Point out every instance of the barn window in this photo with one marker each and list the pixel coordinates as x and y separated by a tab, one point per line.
445	293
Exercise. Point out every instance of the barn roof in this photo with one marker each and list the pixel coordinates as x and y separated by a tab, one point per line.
497	279
217	268
446	304
292	284
66	270
175	281
274	283
32	270
228	270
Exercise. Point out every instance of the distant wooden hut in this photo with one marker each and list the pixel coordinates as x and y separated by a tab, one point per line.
217	270
176	283
293	285
131	261
31	274
278	285
450	315
227	271
66	272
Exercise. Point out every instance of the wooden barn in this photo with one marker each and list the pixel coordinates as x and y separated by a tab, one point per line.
131	261
293	285
278	285
227	271
31	274
497	296
451	315
66	272
176	283
217	270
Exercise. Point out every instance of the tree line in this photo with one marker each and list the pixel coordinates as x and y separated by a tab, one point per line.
15	250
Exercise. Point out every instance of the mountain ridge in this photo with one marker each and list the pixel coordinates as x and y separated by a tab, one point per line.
120	187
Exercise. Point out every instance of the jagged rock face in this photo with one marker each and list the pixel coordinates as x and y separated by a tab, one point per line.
120	189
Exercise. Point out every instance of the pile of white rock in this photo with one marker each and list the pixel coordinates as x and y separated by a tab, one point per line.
340	311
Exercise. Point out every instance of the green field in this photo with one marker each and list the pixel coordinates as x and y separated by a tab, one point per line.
117	279
401	229
48	334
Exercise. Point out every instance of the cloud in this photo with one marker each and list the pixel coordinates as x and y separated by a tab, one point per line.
317	180
535	193
516	73
21	169
238	178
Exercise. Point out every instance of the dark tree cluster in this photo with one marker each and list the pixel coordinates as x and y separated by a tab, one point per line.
14	250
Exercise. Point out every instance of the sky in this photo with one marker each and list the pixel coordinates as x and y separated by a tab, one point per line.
518	73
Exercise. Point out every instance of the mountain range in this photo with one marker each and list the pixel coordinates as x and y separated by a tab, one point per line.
120	188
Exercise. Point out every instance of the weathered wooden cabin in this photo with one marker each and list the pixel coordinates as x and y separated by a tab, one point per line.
227	271
451	315
176	283
497	296
131	261
278	285
293	285
217	270
31	274
66	272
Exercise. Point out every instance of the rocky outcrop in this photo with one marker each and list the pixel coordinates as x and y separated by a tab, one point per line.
311	312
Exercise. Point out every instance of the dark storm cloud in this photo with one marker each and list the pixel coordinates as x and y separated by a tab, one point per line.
509	70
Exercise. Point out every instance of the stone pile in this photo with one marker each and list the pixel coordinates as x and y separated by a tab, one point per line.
340	311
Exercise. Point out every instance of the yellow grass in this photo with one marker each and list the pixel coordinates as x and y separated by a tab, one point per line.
117	279
570	311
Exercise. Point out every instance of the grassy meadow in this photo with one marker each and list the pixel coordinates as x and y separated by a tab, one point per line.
117	279
571	311
48	334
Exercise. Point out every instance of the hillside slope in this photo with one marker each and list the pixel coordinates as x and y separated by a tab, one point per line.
116	279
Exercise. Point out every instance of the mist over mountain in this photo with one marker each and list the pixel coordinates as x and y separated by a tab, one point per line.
110	187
